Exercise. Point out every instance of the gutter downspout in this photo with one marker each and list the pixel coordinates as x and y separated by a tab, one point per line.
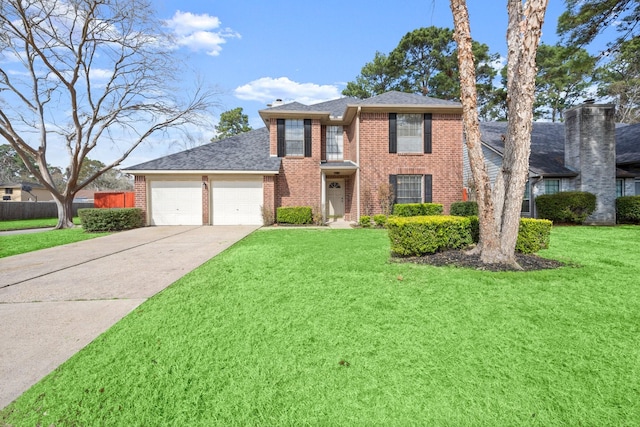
358	164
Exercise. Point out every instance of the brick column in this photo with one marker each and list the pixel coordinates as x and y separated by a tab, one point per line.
205	200
140	188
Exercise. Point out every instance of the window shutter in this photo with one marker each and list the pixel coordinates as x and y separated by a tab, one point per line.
428	192
393	134
427	133
393	182
307	137
280	138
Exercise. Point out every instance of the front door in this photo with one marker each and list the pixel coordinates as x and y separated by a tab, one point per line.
335	198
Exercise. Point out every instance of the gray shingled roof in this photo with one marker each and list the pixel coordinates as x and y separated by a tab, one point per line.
403	98
547	146
248	151
628	144
335	107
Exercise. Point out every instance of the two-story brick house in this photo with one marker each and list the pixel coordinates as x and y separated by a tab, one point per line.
333	156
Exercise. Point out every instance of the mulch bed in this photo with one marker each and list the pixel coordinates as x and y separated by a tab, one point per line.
462	259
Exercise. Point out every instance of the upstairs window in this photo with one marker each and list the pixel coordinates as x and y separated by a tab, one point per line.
409	133
8	191
334	143
294	137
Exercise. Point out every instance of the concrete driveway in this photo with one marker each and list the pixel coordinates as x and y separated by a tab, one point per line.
55	301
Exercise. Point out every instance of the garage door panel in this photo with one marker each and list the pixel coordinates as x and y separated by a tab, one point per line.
176	203
237	202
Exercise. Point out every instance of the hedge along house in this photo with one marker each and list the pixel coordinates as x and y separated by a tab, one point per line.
586	153
333	156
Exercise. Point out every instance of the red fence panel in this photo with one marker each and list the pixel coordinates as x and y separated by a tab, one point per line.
122	199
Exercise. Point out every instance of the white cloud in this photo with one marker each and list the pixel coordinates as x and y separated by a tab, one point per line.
268	89
200	32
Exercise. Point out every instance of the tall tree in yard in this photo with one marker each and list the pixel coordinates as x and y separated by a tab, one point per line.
82	74
232	122
499	207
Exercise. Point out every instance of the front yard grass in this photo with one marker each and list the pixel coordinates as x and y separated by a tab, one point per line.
317	327
21	243
24	224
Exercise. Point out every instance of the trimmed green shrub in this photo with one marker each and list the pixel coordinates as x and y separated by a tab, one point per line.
420	235
464	209
566	207
294	215
417	209
380	220
533	235
117	219
365	221
628	210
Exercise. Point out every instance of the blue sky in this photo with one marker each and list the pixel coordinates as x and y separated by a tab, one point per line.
254	51
258	51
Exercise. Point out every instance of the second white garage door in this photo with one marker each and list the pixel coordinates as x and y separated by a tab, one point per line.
237	202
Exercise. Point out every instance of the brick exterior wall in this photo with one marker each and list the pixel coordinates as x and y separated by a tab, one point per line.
299	180
206	190
444	163
140	188
268	191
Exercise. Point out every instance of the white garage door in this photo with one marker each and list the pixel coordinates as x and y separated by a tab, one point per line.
237	202
176	203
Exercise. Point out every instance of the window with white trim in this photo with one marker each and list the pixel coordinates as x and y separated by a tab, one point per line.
619	187
526	200
409	189
335	144
551	186
294	137
409	131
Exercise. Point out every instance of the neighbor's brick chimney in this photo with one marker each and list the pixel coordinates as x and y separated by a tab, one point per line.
590	149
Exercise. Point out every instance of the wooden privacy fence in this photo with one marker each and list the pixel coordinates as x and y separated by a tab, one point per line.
121	199
34	210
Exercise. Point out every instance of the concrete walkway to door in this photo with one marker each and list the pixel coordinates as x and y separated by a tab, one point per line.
55	301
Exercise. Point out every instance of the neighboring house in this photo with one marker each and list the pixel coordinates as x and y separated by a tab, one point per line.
84	196
17	192
334	156
586	153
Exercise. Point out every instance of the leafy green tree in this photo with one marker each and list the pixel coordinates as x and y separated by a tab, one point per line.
112	179
12	169
564	73
425	62
378	76
232	122
619	80
585	19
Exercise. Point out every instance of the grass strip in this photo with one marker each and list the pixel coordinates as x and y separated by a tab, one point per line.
23	243
25	224
316	327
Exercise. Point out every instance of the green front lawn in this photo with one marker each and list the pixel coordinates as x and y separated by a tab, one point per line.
24	224
21	243
317	327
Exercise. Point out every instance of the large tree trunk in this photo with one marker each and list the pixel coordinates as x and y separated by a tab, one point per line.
499	207
65	212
